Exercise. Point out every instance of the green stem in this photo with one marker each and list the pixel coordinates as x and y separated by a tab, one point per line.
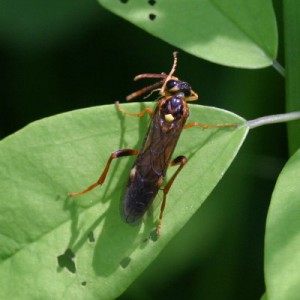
291	15
274	119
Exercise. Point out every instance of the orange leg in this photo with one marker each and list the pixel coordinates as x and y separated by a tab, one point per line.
181	161
147	110
116	154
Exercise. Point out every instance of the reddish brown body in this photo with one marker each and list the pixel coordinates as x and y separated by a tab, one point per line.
149	169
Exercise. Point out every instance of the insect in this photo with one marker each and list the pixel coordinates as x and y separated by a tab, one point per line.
168	120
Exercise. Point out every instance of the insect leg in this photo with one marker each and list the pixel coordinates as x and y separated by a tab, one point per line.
116	154
181	161
205	126
147	110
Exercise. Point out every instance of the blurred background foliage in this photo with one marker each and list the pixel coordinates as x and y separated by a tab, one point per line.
61	55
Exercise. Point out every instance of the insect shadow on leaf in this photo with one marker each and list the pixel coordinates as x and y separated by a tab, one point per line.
66	260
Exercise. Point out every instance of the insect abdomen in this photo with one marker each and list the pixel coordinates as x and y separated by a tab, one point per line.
139	196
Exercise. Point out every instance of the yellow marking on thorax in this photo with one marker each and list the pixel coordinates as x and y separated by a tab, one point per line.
169	118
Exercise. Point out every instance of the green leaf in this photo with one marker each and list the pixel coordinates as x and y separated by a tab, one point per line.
282	242
235	33
53	247
263	297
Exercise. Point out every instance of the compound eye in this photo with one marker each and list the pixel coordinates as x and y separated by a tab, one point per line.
171	85
185	88
177	86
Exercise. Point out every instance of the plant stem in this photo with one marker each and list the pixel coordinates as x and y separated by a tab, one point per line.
274	119
291	15
279	68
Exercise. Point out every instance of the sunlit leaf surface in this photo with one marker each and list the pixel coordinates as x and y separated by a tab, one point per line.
230	32
282	243
53	247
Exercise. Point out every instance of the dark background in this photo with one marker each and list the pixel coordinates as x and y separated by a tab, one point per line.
61	55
